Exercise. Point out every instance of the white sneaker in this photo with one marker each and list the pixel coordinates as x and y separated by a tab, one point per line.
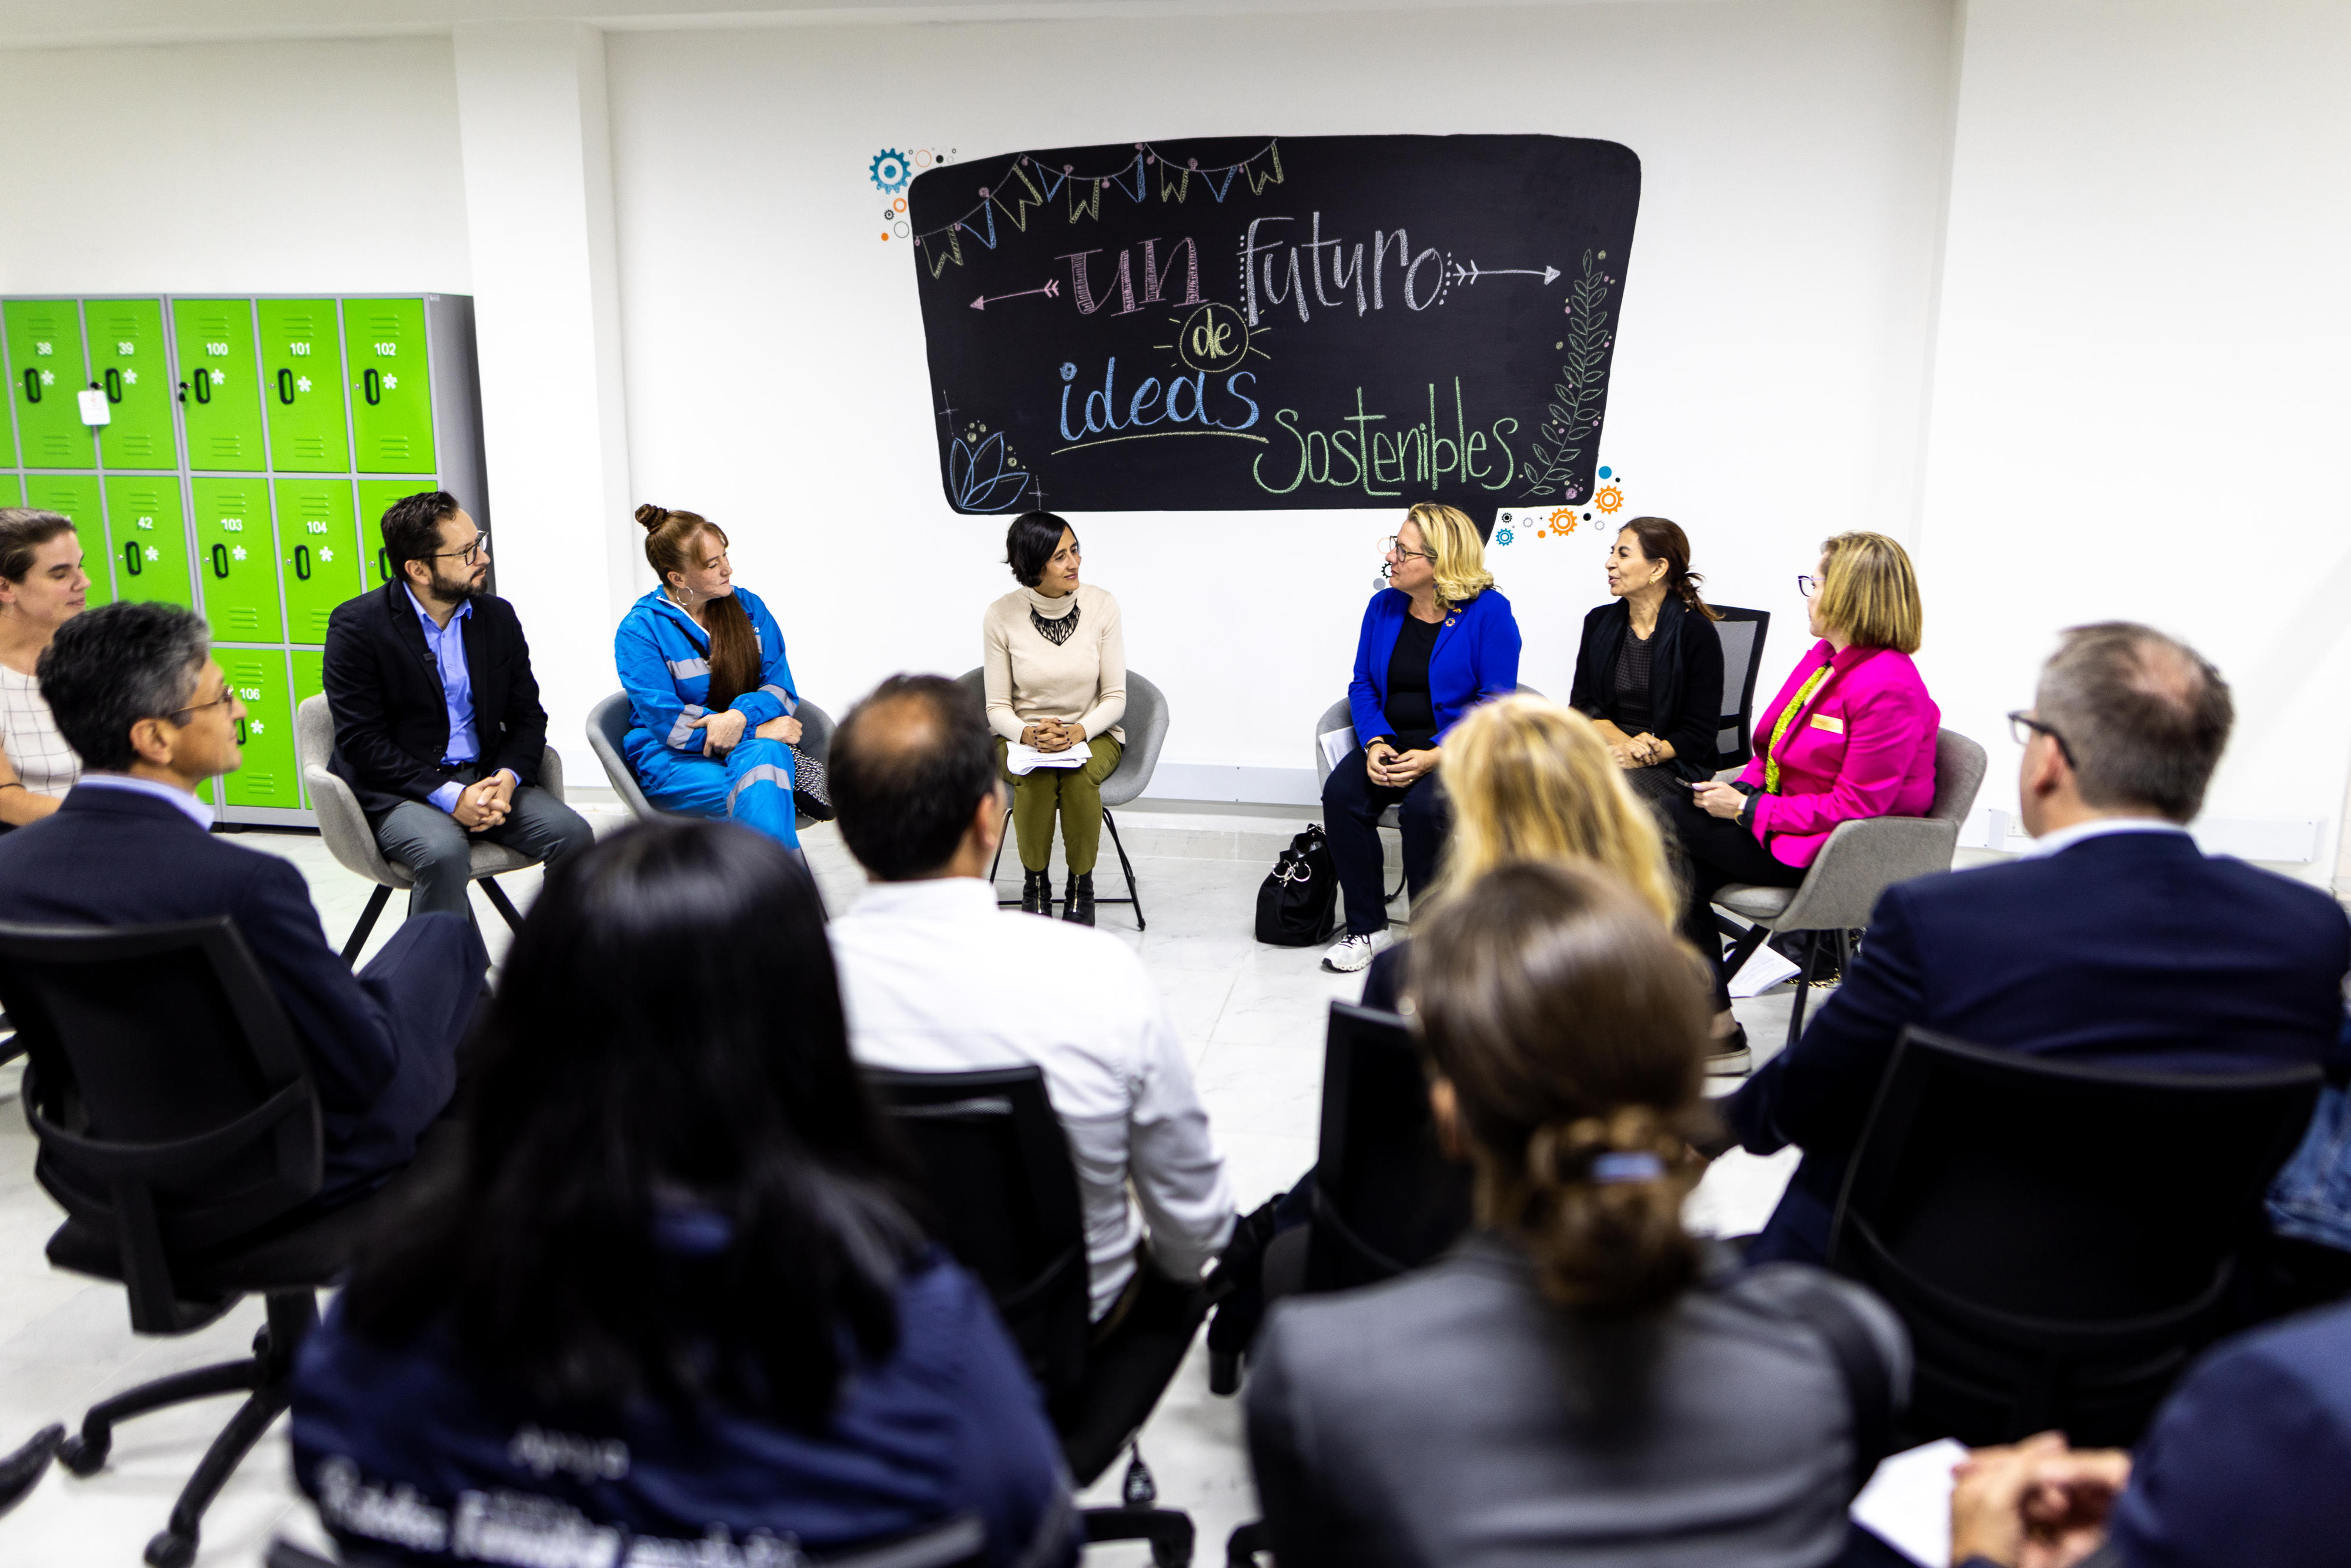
1353	953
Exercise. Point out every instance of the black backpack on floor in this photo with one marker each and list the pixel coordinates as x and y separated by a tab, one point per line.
1298	903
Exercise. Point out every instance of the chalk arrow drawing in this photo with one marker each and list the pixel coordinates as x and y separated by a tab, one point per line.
1472	273
1051	290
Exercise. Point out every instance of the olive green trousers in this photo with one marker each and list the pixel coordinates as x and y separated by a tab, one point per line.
1075	793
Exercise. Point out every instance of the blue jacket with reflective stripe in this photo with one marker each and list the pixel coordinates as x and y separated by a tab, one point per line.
665	661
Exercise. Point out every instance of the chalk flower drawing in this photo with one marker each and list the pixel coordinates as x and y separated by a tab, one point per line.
1578	397
982	478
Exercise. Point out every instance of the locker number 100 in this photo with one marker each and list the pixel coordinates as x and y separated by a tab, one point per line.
215	348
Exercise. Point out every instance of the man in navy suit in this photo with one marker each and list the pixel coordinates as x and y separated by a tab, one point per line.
2114	940
135	690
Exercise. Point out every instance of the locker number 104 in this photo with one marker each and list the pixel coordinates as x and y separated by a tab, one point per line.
315	528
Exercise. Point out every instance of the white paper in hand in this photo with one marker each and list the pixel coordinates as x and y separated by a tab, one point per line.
1335	744
1908	1503
1019	760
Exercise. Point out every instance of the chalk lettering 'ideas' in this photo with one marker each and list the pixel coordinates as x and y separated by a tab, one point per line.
1268	322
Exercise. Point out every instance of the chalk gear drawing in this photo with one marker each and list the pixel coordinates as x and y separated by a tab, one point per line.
890	172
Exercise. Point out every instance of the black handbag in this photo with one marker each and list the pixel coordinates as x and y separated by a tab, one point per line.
1298	903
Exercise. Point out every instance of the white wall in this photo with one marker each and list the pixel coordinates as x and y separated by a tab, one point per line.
2139	402
263	167
1769	364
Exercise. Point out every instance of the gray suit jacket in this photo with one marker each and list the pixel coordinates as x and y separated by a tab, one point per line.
1453	1418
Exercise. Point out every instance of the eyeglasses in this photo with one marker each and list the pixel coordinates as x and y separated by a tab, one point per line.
1808	586
1395	546
470	554
179	717
2024	726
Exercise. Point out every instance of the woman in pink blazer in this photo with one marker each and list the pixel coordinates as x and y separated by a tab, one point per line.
1850	735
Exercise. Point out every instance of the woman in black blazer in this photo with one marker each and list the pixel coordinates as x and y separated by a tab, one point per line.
1649	674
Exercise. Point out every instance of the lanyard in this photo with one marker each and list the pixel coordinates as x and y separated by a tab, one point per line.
1788	717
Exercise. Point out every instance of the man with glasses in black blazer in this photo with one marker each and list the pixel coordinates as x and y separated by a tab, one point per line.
438	727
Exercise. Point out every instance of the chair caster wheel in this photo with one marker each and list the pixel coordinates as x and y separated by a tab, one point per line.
84	1456
171	1550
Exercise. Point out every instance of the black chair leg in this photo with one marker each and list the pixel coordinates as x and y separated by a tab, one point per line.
1243	1545
499	901
1002	901
1169	1530
85	1452
381	896
1803	989
292	1315
21	1471
1126	865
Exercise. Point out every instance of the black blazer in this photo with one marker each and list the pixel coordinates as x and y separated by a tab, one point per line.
391	719
2129	949
380	1054
1685	679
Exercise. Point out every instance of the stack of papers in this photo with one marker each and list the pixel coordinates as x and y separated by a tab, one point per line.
1021	760
1908	1503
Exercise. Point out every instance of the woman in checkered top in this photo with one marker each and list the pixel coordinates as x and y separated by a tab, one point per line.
42	587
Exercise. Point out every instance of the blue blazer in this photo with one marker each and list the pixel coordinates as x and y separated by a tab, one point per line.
2129	949
1477	658
949	1422
380	1053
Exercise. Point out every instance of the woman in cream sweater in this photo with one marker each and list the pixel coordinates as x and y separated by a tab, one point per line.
1055	666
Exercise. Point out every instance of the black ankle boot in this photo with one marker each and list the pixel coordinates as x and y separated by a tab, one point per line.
1037	893
1078	898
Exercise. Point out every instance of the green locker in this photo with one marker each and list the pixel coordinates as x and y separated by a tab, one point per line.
150	539
220	382
12	490
237	561
317	553
310	680
268	777
302	386
128	361
390	391
75	496
46	367
376	497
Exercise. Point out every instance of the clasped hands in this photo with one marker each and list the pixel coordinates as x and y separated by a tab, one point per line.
2034	1504
484	804
1393	769
1052	734
722	731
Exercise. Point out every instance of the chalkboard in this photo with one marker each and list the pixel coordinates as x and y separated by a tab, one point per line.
1273	322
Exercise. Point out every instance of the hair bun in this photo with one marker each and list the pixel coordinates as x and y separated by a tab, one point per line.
653	517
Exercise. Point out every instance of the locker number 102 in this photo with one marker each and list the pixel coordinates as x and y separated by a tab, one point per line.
386	350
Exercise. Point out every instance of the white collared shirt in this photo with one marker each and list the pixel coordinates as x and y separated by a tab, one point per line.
198	812
2098	828
936	978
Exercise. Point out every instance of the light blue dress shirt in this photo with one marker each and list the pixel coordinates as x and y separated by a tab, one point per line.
198	812
448	647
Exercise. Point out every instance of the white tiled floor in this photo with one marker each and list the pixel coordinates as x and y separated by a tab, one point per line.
1251	1018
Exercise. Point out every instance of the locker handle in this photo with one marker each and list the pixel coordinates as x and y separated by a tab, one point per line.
132	562
302	562
240	732
286	387
203	384
220	561
371	386
383	565
113	385
32	385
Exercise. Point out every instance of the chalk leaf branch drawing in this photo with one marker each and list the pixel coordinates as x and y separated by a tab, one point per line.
1579	397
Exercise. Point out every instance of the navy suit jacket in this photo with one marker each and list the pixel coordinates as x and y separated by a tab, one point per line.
2130	949
378	1046
1475	658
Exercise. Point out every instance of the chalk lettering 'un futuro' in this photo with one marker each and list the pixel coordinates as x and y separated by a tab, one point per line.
1271	271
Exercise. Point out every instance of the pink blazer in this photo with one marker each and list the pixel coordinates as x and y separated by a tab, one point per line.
1864	746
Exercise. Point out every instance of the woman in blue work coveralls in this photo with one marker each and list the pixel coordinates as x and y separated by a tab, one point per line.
710	697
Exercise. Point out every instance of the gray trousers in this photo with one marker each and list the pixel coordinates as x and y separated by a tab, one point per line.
439	853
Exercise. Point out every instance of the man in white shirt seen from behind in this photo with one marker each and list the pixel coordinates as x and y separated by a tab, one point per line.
936	978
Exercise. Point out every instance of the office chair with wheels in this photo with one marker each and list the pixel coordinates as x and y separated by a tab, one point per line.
1003	1198
1860	862
2058	1236
21	1471
179	1129
344	826
1146	723
1742	633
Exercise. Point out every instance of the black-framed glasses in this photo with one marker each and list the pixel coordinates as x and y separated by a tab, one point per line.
1391	545
1807	585
2023	726
179	717
470	554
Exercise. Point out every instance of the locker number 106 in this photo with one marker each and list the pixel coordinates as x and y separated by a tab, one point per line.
248	694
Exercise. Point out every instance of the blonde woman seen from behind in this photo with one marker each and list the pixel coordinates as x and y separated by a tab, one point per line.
1530	781
1578	1380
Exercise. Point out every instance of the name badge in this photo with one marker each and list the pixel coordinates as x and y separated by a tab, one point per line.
1834	725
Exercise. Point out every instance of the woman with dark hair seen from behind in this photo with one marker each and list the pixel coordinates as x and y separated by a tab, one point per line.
1054	661
664	1293
42	587
1578	1380
710	696
1649	672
